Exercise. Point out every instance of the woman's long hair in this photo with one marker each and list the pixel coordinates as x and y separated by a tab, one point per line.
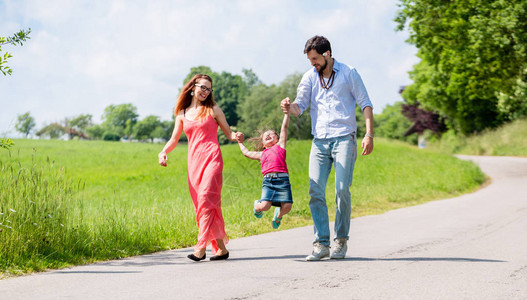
185	99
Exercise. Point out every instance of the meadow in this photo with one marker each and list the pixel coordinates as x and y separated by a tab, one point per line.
64	203
509	139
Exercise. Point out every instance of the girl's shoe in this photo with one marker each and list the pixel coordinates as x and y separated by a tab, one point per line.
276	219
257	214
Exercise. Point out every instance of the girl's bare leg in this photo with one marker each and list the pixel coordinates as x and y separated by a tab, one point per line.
263	206
284	209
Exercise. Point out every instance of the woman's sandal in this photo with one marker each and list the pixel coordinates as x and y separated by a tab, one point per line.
220	257
257	214
195	258
276	219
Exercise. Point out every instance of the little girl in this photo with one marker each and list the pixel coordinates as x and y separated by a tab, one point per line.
276	190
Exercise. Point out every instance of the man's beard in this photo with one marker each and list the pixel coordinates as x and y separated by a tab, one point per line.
322	68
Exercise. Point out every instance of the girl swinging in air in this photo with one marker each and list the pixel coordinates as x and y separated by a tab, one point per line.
276	189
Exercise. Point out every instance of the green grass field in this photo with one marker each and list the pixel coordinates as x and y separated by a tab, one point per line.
73	202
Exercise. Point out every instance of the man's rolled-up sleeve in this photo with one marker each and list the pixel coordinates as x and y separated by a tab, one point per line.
303	93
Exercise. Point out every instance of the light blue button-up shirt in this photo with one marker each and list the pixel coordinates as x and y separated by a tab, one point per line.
333	110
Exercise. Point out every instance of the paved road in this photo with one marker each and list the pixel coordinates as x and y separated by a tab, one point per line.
469	247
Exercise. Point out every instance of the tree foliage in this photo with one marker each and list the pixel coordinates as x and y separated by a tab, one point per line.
250	78
80	122
53	131
422	120
248	104
513	105
471	53
25	124
17	39
145	128
261	109
392	124
95	131
117	118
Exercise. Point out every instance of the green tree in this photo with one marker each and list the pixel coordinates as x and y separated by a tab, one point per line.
299	128
471	52
167	127
25	124
392	124
257	109
115	118
250	78
77	126
513	105
145	128
81	122
53	130
95	131
229	91
159	133
129	129
18	38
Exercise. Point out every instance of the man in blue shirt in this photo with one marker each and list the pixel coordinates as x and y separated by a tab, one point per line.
332	89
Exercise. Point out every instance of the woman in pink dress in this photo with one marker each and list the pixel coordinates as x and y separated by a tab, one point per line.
198	115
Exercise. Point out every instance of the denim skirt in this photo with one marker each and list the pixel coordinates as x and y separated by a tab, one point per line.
277	190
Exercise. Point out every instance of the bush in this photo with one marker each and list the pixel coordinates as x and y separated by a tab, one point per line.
110	136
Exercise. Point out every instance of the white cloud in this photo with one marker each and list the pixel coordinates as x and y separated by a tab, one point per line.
85	55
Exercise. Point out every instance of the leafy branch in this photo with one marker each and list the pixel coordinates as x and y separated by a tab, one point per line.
17	39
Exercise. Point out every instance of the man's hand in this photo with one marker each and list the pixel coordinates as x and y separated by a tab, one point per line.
367	145
285	105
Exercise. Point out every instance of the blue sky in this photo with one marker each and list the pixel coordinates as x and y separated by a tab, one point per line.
86	55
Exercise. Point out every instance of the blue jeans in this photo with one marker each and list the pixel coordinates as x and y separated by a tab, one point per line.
342	152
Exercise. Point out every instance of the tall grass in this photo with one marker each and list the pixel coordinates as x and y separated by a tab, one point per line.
507	140
94	200
34	207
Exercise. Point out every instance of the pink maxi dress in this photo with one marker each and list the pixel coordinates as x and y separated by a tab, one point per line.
205	166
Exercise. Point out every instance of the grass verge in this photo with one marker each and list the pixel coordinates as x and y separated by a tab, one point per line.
64	203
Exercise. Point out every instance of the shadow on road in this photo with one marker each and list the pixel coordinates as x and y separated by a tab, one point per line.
268	257
453	259
95	272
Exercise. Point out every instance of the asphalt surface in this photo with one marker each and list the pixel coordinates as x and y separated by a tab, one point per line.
469	247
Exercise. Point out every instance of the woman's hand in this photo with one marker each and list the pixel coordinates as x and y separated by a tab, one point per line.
239	137
162	158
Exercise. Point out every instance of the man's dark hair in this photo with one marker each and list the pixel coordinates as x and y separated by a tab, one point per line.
319	44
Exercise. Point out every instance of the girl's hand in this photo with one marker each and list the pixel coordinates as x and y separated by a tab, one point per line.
240	137
285	104
162	159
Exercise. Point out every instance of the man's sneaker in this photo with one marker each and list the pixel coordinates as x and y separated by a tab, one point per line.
341	246
319	251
